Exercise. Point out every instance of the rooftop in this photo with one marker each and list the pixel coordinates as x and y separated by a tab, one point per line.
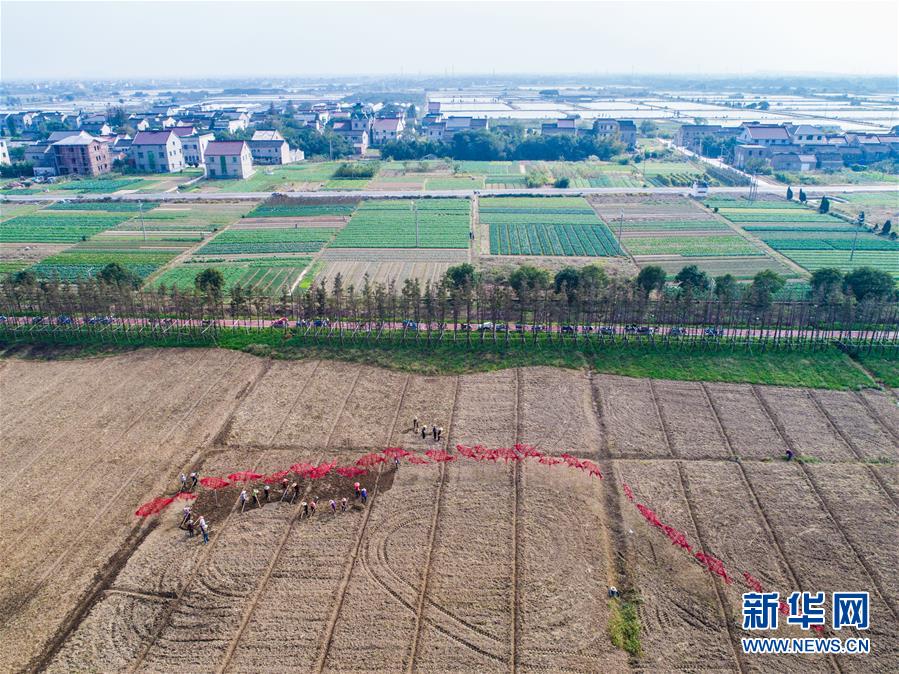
225	148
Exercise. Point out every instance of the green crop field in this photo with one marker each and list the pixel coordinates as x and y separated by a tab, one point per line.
743	203
104	185
454	183
346	184
7	267
442	223
691	246
57	227
70	265
885	199
490	168
102	206
268	240
775	215
887	261
267	276
672	226
563	226
276	210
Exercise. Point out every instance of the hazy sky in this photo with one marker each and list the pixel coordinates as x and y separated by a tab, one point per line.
83	40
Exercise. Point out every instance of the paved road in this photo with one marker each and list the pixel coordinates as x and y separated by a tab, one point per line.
383	194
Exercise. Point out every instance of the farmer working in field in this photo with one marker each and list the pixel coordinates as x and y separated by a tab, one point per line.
357	488
364	495
204	529
243	499
305	509
415	425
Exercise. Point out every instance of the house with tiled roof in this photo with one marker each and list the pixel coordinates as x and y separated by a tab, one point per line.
228	159
387	129
269	147
157	152
561	127
767	135
193	143
81	154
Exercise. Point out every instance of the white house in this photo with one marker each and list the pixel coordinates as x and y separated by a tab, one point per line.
228	159
157	152
387	129
269	147
193	144
4	154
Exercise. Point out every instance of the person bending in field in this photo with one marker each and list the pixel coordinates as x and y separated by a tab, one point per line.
333	505
284	484
185	517
305	509
296	491
343	504
256	497
312	506
243	499
424	431
357	488
790	454
415	425
364	495
268	493
190	527
204	529
194	479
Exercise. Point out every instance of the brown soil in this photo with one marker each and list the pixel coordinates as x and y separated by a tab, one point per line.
458	567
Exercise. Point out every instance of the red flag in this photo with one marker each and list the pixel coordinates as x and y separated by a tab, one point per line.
713	565
350	471
277	476
214	482
752	582
154	506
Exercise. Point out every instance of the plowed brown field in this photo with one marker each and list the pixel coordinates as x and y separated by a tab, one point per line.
457	567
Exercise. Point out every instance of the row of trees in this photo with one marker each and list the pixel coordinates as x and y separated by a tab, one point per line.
506	144
862	300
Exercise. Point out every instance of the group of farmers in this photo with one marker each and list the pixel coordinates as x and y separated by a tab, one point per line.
436	431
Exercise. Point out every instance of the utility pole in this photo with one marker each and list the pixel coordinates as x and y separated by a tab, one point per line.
140	206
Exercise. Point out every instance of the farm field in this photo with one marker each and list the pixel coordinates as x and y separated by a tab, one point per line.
245	241
810	239
461	566
442	223
267	275
561	226
384	264
58	226
673	232
301	176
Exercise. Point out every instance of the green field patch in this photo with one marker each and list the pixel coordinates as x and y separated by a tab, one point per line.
522	203
672	225
103	185
744	203
268	276
690	246
442	223
268	240
884	260
70	265
102	206
346	184
454	183
282	210
59	227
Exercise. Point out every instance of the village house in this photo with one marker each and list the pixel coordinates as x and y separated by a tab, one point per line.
157	152
561	127
193	143
228	159
81	154
805	134
690	136
749	154
766	135
792	161
623	129
4	154
95	125
269	147
231	121
387	129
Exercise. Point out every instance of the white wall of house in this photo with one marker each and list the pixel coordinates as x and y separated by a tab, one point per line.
230	166
158	158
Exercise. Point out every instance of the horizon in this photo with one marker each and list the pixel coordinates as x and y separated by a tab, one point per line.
397	39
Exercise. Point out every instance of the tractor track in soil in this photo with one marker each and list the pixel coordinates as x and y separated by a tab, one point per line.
110	502
516	517
685	490
67	491
328	633
809	481
432	536
850	443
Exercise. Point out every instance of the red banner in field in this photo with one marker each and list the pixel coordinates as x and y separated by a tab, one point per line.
154	506
440	455
277	477
679	538
370	460
243	476
752	582
214	482
649	515
420	460
713	565
628	492
301	469
350	471
185	496
321	470
396	452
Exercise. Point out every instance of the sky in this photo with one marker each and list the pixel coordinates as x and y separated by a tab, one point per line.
96	40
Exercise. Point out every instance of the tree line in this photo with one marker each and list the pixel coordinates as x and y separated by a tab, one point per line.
864	299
